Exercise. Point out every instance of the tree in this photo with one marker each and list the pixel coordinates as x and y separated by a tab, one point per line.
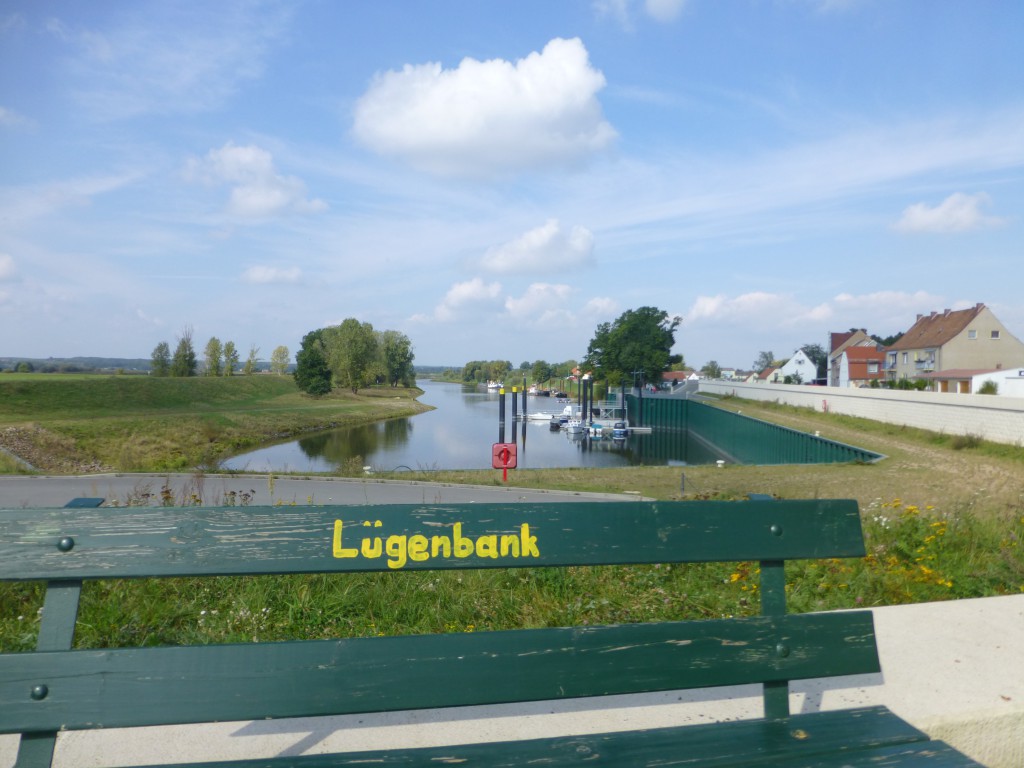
184	361
351	351
279	360
765	360
213	356
712	370
250	362
638	342
396	354
541	372
161	360
312	373
230	358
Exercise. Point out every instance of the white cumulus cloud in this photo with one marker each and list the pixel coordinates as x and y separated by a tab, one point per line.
488	117
258	190
462	296
263	274
957	213
540	302
545	247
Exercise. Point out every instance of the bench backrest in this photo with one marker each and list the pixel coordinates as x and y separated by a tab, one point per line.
55	689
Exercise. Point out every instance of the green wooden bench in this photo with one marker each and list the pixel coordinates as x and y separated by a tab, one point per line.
55	689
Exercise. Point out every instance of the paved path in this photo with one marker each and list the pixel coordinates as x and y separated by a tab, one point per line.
21	491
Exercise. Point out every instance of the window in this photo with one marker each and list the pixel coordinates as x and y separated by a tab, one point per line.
872	367
972	334
995	334
906	357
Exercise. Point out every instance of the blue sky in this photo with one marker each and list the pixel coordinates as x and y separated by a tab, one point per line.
495	179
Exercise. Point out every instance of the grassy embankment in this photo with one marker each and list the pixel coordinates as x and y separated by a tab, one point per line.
943	518
73	423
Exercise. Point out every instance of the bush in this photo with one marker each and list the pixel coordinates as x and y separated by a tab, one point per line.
989	387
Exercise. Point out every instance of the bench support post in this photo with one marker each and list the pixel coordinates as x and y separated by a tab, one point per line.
773	603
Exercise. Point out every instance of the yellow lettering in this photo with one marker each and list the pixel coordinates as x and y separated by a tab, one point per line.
510	545
529	543
463	546
487	546
400	549
396	551
418	548
440	545
340	551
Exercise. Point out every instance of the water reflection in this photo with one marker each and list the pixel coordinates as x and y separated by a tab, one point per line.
459	434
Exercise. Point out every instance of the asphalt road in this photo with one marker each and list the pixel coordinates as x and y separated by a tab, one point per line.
23	491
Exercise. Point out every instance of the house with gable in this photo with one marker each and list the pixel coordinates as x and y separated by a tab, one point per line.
859	366
839	343
800	368
968	341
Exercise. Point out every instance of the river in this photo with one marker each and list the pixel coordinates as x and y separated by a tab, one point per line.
459	434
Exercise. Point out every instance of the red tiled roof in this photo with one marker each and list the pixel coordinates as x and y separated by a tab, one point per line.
864	354
958	373
936	329
838	339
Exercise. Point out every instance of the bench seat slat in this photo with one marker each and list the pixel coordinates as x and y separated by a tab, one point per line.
871	736
152	686
154	542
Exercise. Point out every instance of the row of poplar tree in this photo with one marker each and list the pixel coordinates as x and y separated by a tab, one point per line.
353	355
218	359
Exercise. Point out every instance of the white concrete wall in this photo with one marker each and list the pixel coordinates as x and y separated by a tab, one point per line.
996	418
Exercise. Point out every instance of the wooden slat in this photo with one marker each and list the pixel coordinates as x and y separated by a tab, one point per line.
853	737
142	542
142	686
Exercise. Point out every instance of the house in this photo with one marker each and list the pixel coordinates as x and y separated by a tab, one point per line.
839	343
1008	382
859	366
769	375
972	340
968	381
675	378
799	369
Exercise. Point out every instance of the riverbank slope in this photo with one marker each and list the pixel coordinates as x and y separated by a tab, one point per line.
75	424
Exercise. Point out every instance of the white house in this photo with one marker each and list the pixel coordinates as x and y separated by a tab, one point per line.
800	367
1010	381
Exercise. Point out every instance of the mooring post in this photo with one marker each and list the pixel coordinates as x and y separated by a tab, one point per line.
515	405
501	415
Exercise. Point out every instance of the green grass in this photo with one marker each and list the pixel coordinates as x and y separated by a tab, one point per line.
140	423
943	519
914	555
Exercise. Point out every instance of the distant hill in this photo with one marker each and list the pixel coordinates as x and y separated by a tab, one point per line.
76	364
136	364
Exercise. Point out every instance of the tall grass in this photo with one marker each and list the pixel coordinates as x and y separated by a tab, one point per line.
914	555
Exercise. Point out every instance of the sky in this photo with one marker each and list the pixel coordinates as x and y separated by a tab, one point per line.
496	179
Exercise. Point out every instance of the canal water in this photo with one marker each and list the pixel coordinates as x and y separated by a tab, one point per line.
460	433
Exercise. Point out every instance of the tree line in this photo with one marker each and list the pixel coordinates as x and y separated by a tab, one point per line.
353	355
219	359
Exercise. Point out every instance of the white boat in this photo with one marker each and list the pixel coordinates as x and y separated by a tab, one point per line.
495	385
575	426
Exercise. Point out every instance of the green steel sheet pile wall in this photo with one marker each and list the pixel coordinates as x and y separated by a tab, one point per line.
743	439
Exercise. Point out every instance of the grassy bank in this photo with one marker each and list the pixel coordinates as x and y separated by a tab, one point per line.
943	519
135	424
